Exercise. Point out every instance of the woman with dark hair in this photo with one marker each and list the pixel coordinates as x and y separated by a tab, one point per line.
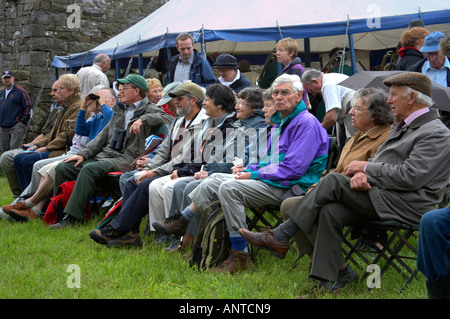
242	144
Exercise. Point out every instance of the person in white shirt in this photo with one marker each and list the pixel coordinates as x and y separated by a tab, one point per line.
92	76
337	100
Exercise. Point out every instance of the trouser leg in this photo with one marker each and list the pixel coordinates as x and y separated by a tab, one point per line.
134	208
7	166
90	176
236	195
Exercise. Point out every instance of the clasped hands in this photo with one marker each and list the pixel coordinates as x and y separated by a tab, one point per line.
358	180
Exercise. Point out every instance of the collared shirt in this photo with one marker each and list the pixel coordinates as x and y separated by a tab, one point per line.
183	69
237	77
438	76
411	117
129	112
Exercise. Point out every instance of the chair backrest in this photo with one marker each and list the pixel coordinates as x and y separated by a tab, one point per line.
333	153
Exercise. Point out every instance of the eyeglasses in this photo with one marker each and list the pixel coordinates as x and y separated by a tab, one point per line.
283	93
127	88
61	88
358	109
242	103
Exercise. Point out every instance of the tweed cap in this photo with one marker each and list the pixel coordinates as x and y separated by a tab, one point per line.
415	80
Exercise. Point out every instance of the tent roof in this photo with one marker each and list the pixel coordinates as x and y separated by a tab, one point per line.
250	26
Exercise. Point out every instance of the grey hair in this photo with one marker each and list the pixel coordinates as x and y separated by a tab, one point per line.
289	78
376	101
421	98
100	58
311	74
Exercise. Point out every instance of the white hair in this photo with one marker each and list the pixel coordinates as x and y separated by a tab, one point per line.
421	98
289	78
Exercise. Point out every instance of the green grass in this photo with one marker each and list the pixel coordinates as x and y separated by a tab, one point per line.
34	262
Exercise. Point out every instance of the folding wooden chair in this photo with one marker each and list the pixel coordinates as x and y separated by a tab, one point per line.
395	251
259	218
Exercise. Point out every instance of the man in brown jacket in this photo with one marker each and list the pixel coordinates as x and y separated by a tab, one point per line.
60	137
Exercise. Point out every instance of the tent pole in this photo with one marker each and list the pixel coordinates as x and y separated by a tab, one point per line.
117	69
141	63
352	52
307	46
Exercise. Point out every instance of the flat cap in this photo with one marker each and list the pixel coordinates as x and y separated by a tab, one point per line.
415	80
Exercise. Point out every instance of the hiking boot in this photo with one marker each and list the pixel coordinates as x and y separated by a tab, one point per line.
266	241
172	225
238	260
103	235
18	206
23	215
68	220
129	239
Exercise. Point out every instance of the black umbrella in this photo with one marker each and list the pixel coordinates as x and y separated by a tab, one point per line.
365	79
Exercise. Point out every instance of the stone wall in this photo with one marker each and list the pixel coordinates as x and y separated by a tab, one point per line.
33	32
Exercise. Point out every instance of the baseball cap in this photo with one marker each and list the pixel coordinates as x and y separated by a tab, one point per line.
6	74
432	42
135	79
189	88
169	88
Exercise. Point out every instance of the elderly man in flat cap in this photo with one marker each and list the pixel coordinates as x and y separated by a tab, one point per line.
404	180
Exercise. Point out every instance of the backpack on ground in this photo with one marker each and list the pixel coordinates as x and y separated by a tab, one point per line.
55	208
212	245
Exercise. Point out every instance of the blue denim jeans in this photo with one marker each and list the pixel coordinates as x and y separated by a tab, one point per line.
433	256
23	165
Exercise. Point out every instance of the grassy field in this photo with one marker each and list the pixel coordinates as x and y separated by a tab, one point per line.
40	263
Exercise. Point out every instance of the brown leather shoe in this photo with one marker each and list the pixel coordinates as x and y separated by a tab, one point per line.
23	215
238	260
18	206
266	241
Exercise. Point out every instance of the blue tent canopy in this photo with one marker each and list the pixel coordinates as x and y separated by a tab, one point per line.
254	26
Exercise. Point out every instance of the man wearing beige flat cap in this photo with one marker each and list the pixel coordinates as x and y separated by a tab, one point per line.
405	179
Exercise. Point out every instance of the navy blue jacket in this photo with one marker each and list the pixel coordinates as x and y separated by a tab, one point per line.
16	108
201	72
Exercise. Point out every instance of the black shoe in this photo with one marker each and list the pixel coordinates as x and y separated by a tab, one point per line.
175	244
176	225
129	239
346	276
103	235
68	220
162	239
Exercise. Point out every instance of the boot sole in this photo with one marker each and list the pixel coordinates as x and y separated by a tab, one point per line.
162	229
98	239
18	217
258	244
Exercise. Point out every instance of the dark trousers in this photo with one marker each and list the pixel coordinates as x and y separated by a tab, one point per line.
134	206
330	206
23	166
88	175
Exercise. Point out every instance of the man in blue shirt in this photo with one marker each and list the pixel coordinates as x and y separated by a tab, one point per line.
98	102
436	66
15	108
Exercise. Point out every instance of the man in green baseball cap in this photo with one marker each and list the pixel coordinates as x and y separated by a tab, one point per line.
137	81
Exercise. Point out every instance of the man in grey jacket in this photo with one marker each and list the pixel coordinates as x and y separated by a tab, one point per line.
113	149
404	180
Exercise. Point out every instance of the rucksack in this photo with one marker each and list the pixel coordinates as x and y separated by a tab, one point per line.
55	208
212	245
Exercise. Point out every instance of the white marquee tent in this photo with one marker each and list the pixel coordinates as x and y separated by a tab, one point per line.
254	26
